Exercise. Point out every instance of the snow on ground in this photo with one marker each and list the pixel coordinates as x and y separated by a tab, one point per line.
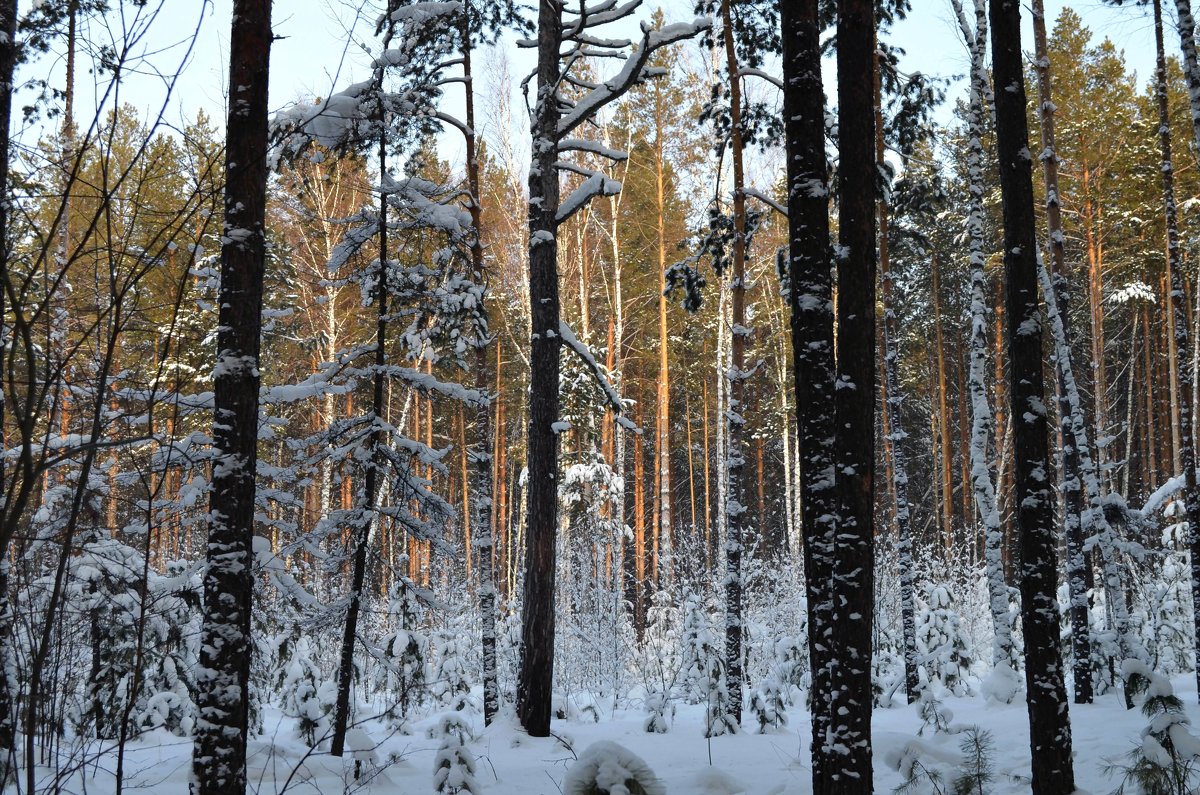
509	763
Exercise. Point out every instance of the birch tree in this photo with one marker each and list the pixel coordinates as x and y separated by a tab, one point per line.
983	426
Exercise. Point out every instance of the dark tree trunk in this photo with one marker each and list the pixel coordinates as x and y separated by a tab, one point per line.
810	297
855	391
8	57
1049	725
223	674
536	678
368	514
1081	647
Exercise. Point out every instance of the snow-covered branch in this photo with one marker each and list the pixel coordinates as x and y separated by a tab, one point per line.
595	185
631	74
767	200
589	361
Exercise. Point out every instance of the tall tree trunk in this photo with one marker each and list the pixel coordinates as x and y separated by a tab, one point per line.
368	515
1174	266
708	517
1089	216
223	674
481	432
536	678
663	414
983	424
640	583
1081	647
895	434
8	58
945	441
1049	725
735	456
500	481
1151	435
810	299
854	455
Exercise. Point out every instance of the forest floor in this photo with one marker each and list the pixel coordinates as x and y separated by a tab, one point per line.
777	763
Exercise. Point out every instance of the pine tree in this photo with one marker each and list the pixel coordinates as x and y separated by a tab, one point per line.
810	299
223	676
453	766
854	385
945	646
1050	731
552	128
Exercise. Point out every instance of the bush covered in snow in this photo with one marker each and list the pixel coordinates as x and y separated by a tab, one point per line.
607	768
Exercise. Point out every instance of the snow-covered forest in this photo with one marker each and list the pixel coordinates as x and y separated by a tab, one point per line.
588	397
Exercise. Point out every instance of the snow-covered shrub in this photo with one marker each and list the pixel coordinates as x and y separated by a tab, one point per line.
941	641
453	766
657	707
1167	760
104	586
451	685
169	703
925	766
658	659
1169	627
607	768
595	643
696	645
508	650
791	655
703	669
405	651
166	700
934	715
307	695
768	703
887	669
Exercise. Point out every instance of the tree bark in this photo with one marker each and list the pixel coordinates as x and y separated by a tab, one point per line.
1178	303
945	443
854	387
1050	729
223	673
1081	647
481	432
735	454
536	678
8	58
894	434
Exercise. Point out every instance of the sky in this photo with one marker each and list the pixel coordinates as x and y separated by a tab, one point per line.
311	57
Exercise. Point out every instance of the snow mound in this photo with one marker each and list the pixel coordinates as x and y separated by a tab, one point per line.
607	768
711	781
360	745
1001	685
